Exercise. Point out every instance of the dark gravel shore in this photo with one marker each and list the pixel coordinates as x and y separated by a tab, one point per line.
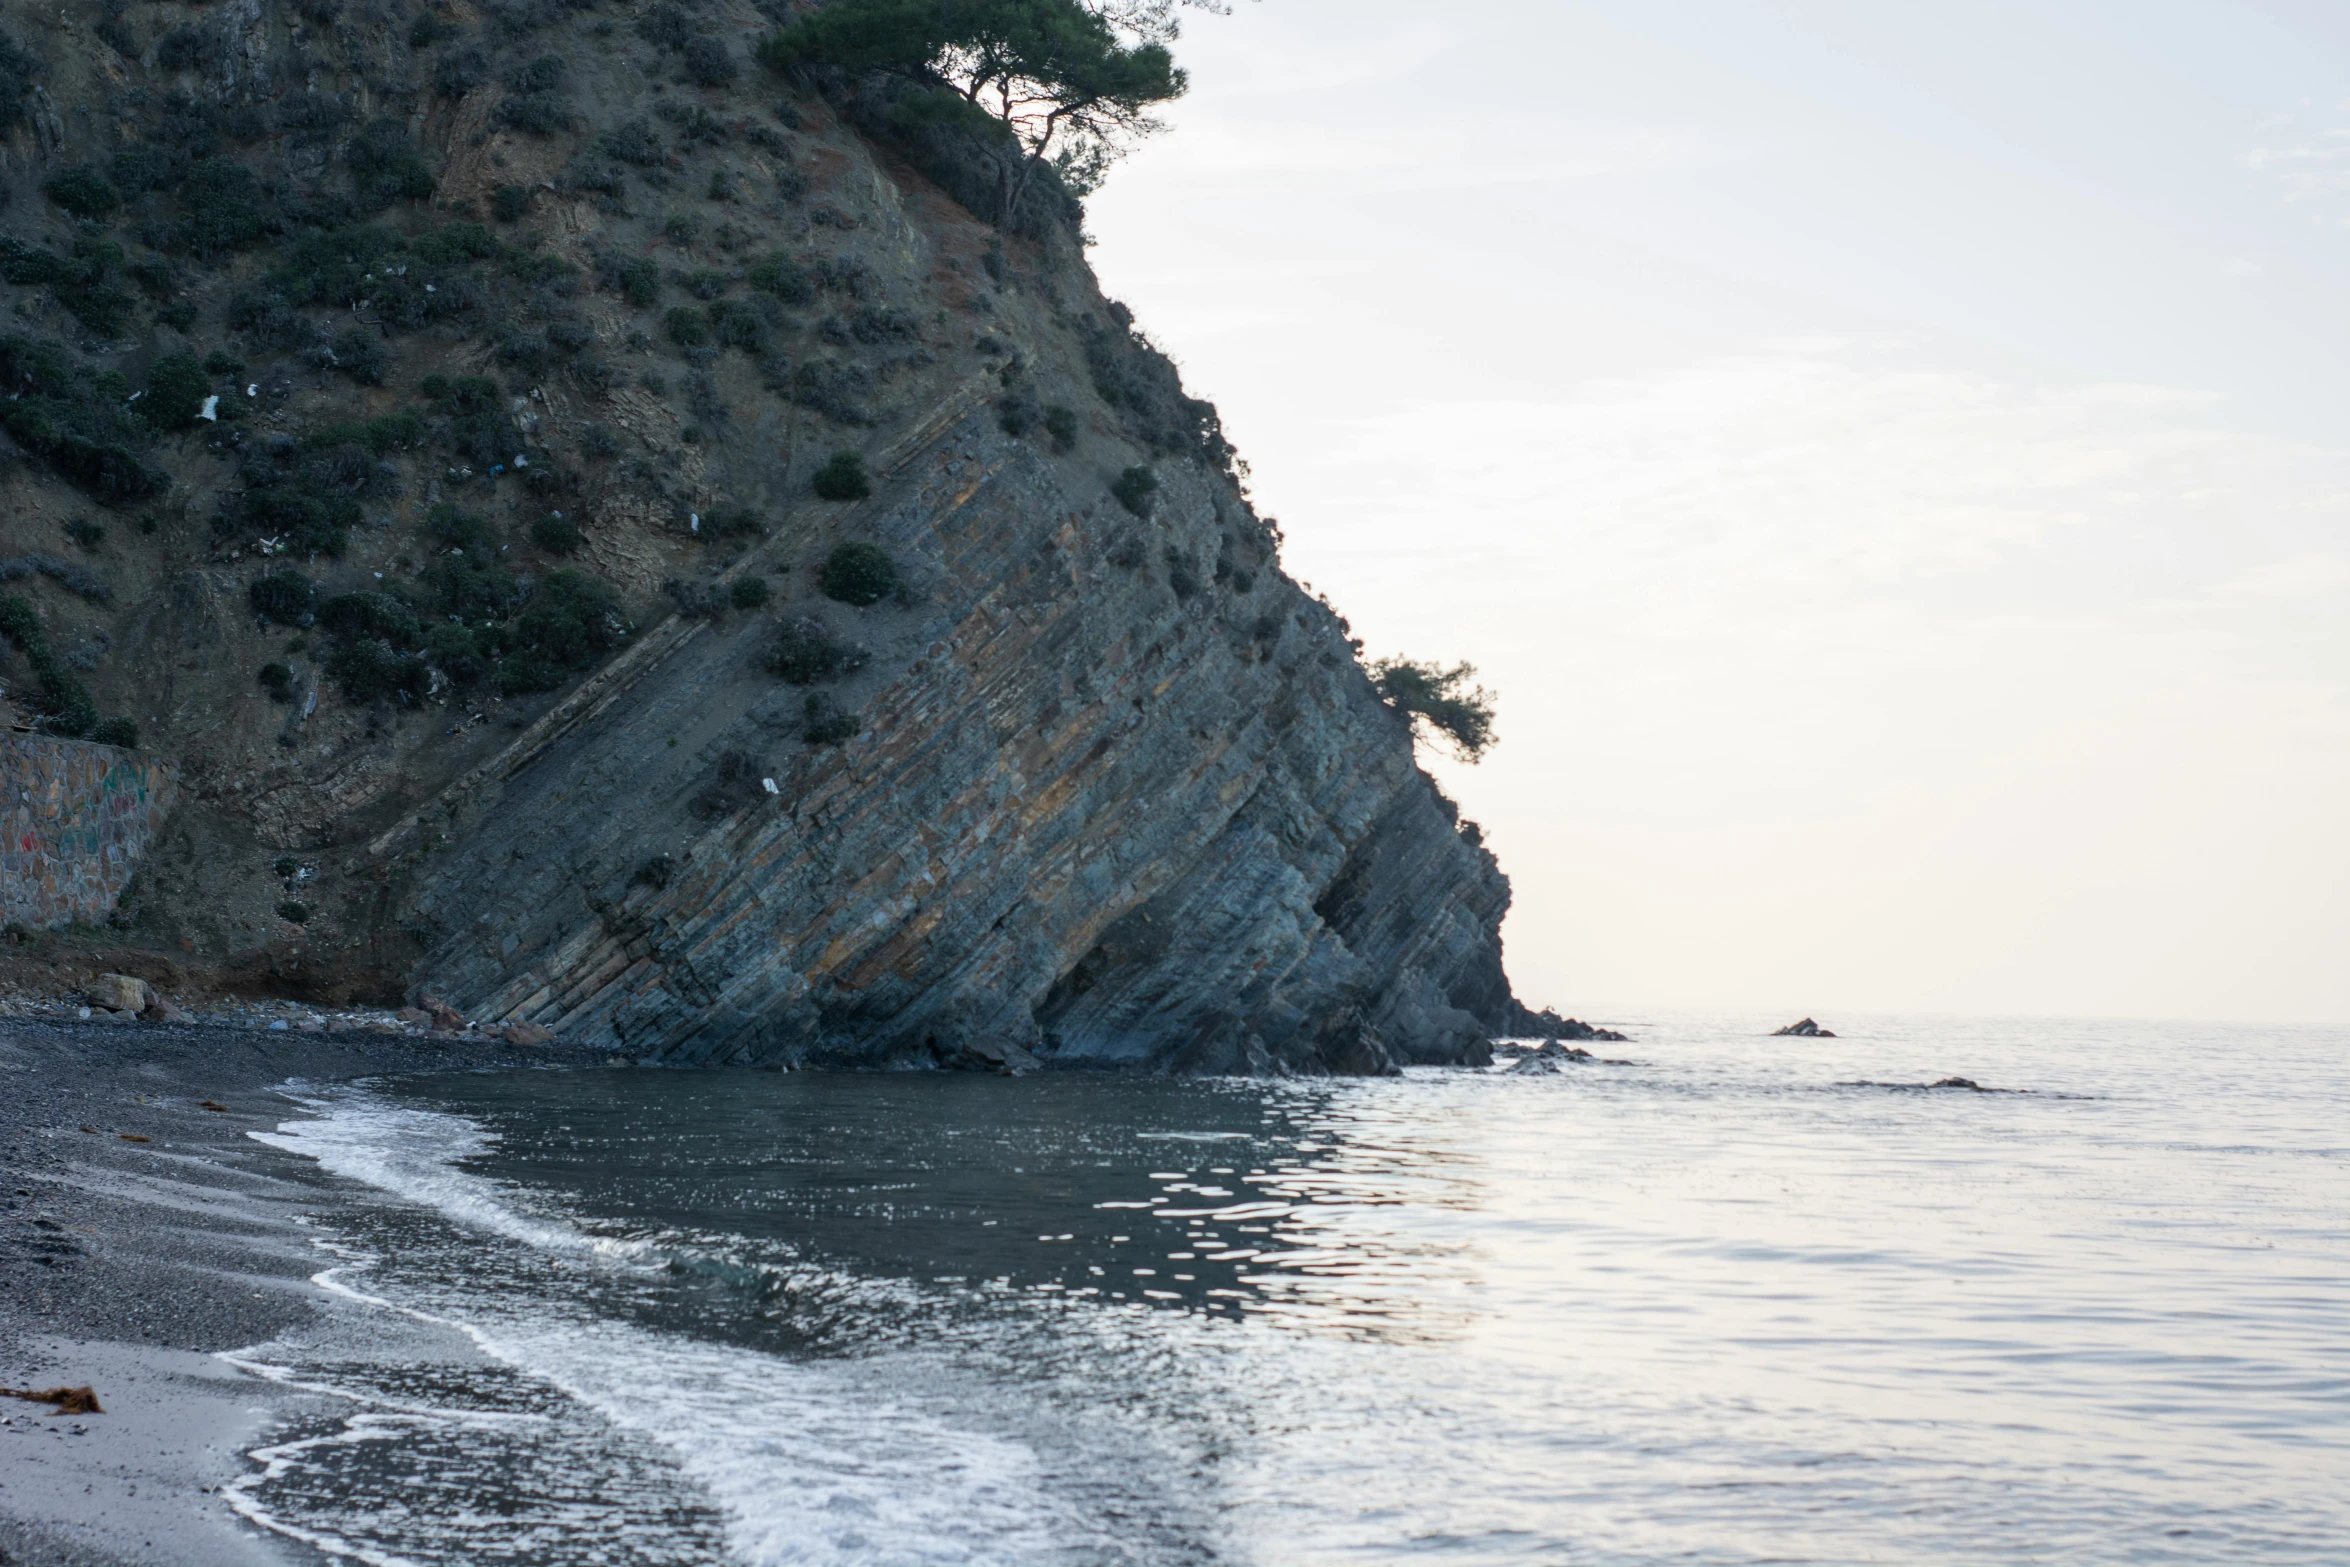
140	1233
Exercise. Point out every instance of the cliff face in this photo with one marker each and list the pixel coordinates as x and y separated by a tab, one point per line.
1096	784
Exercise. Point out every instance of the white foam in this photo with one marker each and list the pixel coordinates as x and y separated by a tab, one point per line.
410	1153
832	1462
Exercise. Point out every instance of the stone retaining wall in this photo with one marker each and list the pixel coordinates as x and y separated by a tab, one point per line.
76	817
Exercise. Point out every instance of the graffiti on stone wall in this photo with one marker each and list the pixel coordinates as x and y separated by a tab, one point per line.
74	819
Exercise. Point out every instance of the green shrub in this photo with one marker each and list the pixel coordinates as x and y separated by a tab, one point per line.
858	574
294	911
1136	489
666	27
805	653
458	529
62	699
75	421
688	327
708	63
537	114
783	277
508	203
454	243
85	533
223	210
823	721
82	191
734	324
283	598
361	355
679	228
278	681
221	362
367	669
640	283
572	620
385	167
843	478
1442	699
556	534
372	616
466	655
633	142
749	593
117	731
731	522
1060	423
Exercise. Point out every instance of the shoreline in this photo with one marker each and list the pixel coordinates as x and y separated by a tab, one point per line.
141	1235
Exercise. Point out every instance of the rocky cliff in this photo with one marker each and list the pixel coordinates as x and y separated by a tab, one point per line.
419	416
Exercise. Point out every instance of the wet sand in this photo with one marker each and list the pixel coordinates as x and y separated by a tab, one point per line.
130	1265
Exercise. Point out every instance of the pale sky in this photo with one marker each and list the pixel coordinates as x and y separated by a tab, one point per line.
1891	460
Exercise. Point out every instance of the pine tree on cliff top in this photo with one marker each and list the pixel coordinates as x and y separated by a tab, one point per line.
1052	74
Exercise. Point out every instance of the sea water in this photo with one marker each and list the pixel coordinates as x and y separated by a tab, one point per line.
1725	1298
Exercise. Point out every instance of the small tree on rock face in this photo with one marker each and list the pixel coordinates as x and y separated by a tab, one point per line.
1439	700
1052	73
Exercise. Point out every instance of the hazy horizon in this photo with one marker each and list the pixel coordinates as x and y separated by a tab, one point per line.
1890	466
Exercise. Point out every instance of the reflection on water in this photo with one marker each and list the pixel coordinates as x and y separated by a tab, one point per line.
1210	1197
1723	1306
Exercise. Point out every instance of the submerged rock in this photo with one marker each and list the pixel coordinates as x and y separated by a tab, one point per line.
1806	1029
1555	1057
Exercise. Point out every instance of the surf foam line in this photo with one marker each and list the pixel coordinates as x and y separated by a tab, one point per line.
835	1463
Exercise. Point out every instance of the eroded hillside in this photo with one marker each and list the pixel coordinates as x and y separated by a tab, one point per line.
419	416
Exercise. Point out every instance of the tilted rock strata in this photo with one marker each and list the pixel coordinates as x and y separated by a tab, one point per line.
1087	818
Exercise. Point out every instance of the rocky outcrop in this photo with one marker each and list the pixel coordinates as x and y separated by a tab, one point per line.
1524	1023
1096	786
1806	1029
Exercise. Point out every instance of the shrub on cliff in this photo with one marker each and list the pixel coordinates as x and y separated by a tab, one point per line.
386	167
824	723
83	191
80	280
843	478
572	620
85	431
62	700
176	389
707	62
783	277
805	653
283	598
17	70
859	574
369	668
1136	489
556	534
1440	700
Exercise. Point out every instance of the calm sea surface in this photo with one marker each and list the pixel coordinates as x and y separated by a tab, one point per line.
1738	1301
